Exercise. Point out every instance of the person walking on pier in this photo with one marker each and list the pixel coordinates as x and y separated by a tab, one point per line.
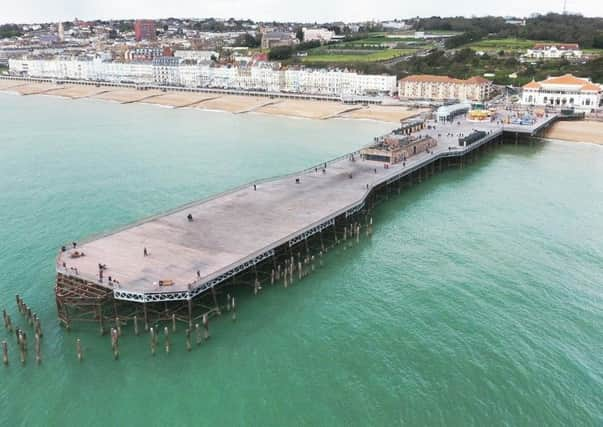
145	252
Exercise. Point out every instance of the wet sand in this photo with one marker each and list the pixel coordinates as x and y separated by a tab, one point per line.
180	99
236	103
577	131
36	88
306	109
382	113
11	85
77	91
126	95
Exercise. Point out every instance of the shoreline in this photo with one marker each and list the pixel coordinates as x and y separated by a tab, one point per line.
569	131
234	104
577	132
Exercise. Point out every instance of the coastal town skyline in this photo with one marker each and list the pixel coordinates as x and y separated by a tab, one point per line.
32	11
234	213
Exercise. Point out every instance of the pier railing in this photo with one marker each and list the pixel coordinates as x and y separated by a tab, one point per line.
248	184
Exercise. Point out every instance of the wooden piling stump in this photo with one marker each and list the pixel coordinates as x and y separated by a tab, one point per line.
22	351
78	350
24	340
198	333
153	342
115	343
5	352
166	333
206	325
9	325
38	348
188	340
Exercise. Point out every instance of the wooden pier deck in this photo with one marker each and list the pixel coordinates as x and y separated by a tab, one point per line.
235	230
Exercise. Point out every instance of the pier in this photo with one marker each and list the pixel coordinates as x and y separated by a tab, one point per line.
177	265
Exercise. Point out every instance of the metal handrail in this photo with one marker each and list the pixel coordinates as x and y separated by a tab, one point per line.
202	201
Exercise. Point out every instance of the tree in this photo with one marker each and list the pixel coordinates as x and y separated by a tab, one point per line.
248	40
10	30
464	55
126	27
280	53
462	39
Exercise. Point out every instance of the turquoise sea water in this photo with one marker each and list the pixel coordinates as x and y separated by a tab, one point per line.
478	300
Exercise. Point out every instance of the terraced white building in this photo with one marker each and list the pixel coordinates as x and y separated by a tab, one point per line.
564	91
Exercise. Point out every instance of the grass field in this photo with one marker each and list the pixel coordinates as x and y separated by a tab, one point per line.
444	32
377	55
593	51
502	44
373	48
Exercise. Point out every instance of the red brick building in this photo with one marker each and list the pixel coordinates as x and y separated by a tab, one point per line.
144	29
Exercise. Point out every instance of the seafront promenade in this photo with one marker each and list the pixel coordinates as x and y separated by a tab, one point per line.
322	107
197	247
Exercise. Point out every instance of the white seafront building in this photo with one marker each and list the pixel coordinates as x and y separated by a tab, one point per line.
565	91
197	55
553	51
172	71
77	69
322	35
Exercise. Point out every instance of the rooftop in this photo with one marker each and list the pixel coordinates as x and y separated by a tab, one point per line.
566	46
430	78
565	80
